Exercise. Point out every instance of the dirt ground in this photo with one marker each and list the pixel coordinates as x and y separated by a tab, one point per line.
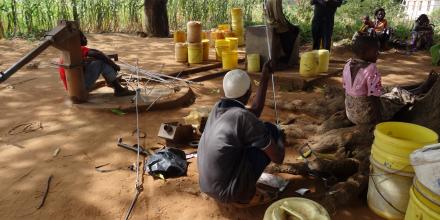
87	139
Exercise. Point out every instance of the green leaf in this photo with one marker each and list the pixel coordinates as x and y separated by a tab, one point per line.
118	112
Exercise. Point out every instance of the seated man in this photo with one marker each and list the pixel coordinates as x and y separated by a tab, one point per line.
97	63
236	146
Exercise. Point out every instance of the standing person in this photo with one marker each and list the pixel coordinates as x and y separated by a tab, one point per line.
236	145
96	63
323	22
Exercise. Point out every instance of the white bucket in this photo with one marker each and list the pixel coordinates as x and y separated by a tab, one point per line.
426	163
388	191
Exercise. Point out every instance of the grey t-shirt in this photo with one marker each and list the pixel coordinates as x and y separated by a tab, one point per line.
224	172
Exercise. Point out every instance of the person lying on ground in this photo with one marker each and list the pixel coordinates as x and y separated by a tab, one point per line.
366	102
236	145
422	34
96	63
381	29
323	22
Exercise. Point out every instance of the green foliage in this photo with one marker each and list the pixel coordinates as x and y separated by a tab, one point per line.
435	19
32	18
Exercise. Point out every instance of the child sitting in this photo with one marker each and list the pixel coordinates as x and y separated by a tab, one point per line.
362	82
366	29
422	34
367	24
381	29
365	102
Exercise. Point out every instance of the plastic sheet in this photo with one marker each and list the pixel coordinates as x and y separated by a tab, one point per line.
170	162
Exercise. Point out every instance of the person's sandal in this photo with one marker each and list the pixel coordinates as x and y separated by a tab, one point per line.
124	92
261	197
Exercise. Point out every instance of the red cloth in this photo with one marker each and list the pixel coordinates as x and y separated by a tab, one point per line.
62	71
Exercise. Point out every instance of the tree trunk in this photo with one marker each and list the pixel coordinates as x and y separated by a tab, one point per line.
75	11
1	30
156	18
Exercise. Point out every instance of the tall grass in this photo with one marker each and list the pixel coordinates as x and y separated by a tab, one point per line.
32	18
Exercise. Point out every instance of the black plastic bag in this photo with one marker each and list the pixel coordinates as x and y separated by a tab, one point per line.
170	162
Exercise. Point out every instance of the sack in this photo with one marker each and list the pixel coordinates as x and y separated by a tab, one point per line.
170	162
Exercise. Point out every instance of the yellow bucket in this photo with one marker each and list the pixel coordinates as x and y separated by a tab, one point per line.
229	34
388	191
253	63
395	141
236	12
205	50
296	208
233	43
239	33
423	204
324	61
236	16
179	37
216	35
391	175
309	64
206	35
220	46
224	27
181	52
195	53
230	60
194	34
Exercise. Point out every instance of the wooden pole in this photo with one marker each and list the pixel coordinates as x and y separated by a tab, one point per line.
67	39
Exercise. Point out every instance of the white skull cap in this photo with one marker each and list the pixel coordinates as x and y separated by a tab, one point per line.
236	83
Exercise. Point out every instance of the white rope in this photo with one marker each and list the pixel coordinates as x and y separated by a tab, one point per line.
270	57
138	183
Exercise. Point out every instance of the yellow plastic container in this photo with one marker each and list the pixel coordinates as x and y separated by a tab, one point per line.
387	186
179	37
391	171
220	46
309	64
230	60
395	141
206	47
324	61
237	24
233	43
236	13
253	63
181	52
423	204
229	34
194	34
224	27
296	208
216	35
195	53
206	35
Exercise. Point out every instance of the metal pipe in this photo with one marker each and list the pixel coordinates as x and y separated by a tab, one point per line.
25	60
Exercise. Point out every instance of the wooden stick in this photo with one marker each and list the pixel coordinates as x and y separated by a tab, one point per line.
45	192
